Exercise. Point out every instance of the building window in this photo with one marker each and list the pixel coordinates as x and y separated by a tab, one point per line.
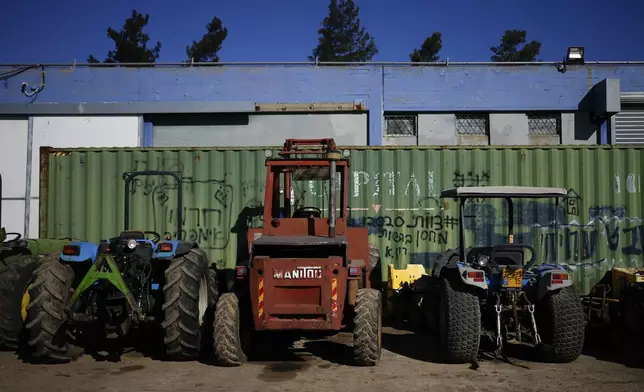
472	124
401	125
544	124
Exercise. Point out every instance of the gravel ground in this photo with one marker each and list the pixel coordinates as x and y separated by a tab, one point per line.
407	364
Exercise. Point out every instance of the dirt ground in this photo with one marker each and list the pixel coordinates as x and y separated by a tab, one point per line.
407	364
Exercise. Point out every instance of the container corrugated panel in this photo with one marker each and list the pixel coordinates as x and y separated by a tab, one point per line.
393	191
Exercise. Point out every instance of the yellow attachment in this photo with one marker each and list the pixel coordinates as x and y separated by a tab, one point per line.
398	277
26	298
622	277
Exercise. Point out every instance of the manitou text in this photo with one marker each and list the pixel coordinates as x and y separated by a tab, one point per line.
299	273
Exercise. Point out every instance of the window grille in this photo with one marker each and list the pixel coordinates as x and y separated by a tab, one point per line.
401	125
472	124
544	124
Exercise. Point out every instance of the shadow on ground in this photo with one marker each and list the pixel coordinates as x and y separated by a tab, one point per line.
606	344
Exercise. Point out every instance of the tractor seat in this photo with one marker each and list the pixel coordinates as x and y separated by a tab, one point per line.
510	255
132	235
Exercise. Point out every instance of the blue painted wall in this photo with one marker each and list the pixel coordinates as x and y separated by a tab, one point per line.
382	88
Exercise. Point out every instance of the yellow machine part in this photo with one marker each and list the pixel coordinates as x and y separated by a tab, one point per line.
397	278
622	277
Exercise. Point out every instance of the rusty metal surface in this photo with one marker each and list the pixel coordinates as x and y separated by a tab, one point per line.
299	240
297	293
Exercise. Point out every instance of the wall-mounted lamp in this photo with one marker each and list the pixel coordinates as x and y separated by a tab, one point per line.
575	55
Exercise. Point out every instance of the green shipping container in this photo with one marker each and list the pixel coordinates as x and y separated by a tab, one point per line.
393	191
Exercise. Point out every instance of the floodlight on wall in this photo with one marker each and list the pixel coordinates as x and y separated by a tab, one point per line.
575	55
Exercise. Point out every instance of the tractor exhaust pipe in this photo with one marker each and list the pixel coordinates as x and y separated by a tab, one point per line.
332	199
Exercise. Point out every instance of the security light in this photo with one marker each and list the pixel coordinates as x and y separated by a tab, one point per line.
575	55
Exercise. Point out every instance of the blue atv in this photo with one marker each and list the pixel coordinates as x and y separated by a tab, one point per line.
500	293
103	296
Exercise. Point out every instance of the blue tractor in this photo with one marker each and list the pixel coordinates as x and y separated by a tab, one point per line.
103	296
500	293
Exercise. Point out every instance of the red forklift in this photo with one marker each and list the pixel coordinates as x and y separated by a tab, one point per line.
307	271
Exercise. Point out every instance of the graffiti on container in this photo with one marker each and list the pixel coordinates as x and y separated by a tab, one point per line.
471	178
390	183
402	234
206	226
209	227
251	188
607	211
633	183
161	163
572	202
574	242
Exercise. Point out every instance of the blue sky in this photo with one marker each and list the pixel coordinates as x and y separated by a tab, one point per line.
35	31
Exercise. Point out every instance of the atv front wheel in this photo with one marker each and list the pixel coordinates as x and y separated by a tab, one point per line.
230	345
14	297
47	312
459	323
190	295
367	327
561	325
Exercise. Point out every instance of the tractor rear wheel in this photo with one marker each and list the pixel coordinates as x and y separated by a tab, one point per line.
367	327
47	312
459	323
229	332
14	297
561	325
189	297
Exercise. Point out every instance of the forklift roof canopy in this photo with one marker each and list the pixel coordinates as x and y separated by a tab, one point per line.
503	192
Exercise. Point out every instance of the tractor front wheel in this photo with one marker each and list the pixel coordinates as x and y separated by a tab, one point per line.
561	326
47	312
459	322
231	332
189	293
14	298
367	327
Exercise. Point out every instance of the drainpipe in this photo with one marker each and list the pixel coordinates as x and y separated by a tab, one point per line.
332	156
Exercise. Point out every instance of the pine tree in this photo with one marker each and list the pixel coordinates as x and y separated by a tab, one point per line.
208	47
508	50
341	37
428	51
131	43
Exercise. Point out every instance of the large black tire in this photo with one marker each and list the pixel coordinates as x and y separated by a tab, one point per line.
445	258
561	326
227	332
190	294
367	327
14	280
47	312
459	322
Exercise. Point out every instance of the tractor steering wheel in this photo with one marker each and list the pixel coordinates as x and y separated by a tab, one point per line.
156	237
305	212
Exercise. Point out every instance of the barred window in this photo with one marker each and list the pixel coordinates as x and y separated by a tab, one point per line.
401	125
472	124
544	124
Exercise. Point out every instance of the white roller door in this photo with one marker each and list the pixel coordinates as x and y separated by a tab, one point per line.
629	125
